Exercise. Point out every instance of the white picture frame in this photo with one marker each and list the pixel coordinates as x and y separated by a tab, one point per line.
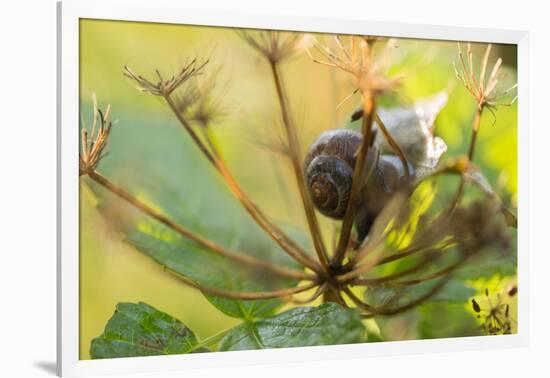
170	11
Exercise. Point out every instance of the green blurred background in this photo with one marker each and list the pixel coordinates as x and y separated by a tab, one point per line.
150	153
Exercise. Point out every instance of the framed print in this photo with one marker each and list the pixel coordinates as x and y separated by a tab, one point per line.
239	188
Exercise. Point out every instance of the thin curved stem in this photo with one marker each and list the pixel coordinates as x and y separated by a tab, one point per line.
358	302
360	269
231	254
396	310
211	145
390	277
295	156
210	340
471	149
340	299
431	276
393	144
475	131
244	295
320	290
369	104
286	243
400	255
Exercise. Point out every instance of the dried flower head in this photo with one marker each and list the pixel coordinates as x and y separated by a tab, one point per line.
358	59
202	101
484	89
185	99
496	319
93	144
274	45
166	87
478	226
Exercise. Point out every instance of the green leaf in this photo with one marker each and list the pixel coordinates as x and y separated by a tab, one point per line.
489	264
211	269
137	329
446	320
327	324
454	291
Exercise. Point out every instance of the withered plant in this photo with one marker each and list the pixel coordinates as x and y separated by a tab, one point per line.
426	251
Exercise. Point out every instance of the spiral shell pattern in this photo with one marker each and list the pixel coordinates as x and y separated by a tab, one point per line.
329	170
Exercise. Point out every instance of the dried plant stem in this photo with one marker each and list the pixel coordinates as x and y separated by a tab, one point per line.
393	144
320	290
340	299
471	149
295	156
244	295
358	175
209	140
475	131
210	340
410	251
360	269
390	279
231	254
287	244
432	276
398	309
358	302
385	279
189	129
331	295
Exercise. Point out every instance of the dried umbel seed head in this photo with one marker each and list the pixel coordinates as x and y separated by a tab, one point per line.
165	87
479	225
94	142
357	58
485	88
274	45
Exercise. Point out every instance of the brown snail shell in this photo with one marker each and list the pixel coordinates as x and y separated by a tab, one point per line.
329	166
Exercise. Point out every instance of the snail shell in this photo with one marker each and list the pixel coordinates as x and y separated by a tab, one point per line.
329	166
329	170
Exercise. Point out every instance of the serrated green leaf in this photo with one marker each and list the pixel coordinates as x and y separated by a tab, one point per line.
212	270
328	324
137	329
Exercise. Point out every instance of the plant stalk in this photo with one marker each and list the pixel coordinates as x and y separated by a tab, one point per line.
358	175
295	155
393	144
286	243
244	295
358	302
471	150
396	310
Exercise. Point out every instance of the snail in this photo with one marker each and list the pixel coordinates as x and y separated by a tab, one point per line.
329	166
